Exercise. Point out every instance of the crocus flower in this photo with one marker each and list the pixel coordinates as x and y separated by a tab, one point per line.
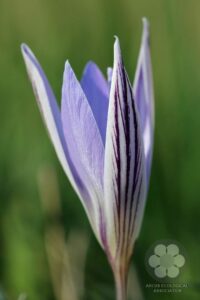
103	137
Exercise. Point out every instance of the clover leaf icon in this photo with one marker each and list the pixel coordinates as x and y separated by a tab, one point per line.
166	261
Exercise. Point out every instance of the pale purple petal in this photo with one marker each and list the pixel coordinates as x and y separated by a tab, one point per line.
144	96
124	173
96	90
83	140
109	75
52	119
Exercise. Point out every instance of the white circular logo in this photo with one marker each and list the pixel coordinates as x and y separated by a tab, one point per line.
165	260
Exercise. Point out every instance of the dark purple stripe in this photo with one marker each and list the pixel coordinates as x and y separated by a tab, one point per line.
137	163
126	118
118	162
135	198
137	206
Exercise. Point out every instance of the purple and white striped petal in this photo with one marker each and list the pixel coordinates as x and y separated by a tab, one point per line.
84	142
144	96
124	174
96	90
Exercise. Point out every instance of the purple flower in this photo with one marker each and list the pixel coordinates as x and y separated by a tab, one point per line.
103	137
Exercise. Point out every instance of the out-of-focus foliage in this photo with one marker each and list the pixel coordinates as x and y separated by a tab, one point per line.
33	228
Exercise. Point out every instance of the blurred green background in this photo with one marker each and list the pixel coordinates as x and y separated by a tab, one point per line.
38	208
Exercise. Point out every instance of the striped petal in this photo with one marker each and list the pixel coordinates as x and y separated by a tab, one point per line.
84	142
96	90
124	175
144	96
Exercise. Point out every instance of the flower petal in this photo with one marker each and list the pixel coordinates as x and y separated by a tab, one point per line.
109	75
96	90
144	96
124	174
51	115
52	119
84	142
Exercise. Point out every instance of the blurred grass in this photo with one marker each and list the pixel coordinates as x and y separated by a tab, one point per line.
80	31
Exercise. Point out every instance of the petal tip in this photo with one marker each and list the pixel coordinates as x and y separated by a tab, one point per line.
145	28
145	22
67	65
116	44
68	72
24	49
27	53
89	67
90	64
117	50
